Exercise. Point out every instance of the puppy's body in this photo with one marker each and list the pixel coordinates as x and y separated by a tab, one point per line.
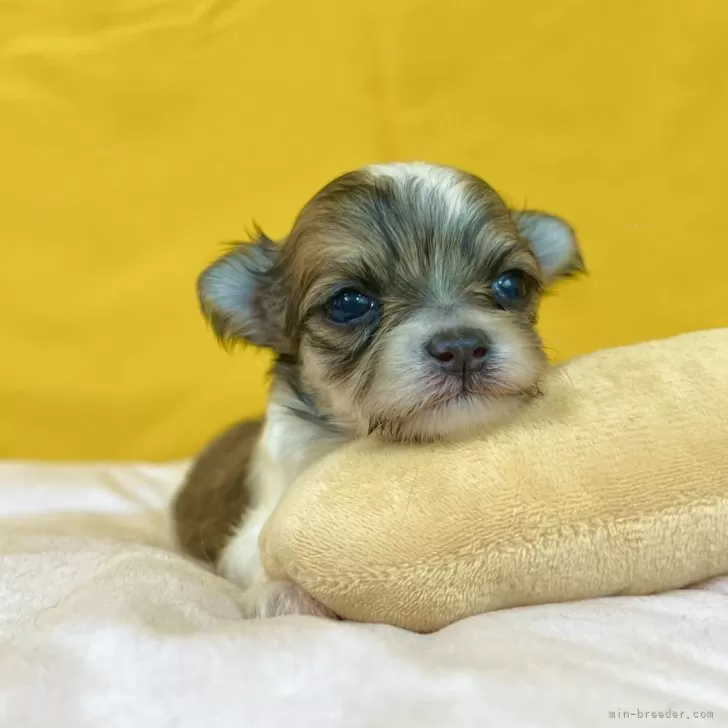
233	487
402	305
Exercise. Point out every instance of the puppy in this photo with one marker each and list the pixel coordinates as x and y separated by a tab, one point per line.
402	305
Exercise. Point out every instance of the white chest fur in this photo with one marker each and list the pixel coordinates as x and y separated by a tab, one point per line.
287	446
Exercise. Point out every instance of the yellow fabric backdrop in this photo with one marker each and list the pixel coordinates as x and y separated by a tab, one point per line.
137	135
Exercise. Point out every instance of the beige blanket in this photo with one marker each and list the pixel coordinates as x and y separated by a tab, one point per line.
102	625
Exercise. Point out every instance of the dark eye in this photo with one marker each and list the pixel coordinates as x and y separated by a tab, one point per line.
350	306
511	287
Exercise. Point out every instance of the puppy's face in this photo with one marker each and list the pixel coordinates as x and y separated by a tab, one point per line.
404	300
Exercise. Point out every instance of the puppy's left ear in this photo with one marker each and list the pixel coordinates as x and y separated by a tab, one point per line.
554	242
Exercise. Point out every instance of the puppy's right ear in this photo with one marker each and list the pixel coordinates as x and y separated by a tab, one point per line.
554	243
241	297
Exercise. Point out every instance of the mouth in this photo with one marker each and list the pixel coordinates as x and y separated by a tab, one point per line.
469	385
469	388
456	393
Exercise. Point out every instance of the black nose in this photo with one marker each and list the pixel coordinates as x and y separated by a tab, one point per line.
459	351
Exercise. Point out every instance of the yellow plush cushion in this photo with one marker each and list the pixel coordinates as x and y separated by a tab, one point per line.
137	136
615	482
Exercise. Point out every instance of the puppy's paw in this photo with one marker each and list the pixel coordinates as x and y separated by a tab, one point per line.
281	598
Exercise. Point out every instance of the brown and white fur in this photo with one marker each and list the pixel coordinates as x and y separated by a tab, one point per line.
449	281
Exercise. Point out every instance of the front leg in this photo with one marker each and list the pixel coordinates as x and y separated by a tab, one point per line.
280	597
264	597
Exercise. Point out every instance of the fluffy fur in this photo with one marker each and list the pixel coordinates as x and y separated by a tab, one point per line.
424	252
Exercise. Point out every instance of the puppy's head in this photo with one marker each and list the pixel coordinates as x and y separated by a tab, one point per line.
404	300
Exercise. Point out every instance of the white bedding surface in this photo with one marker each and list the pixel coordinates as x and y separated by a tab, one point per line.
101	624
